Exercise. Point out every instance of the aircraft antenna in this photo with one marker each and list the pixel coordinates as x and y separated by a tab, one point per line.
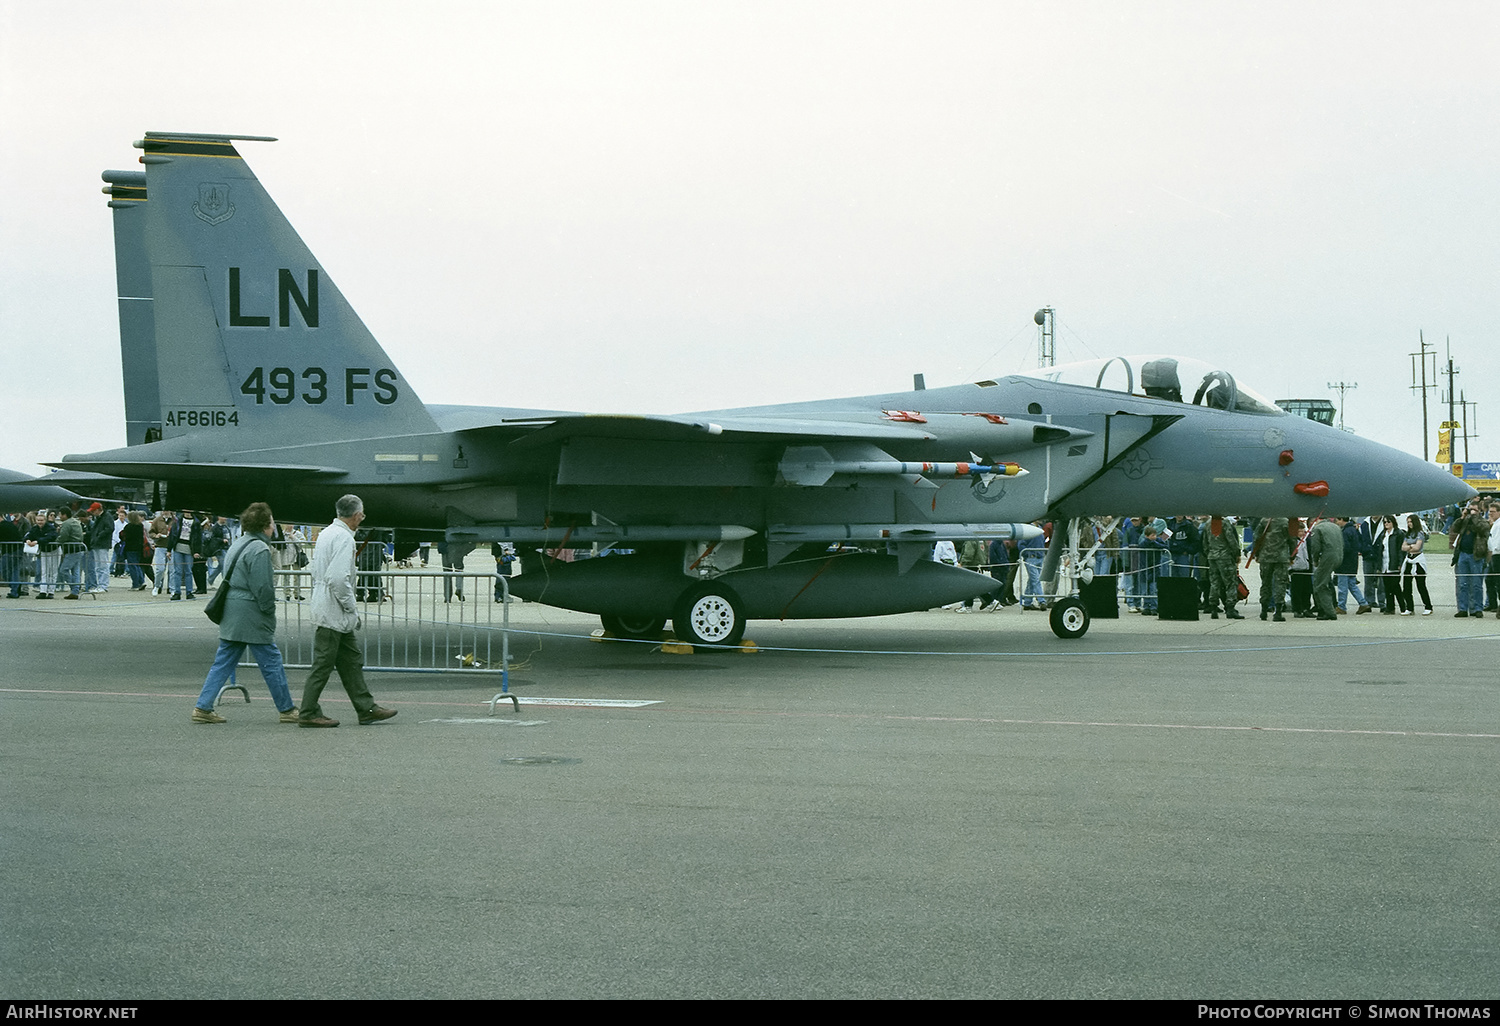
1046	322
1342	388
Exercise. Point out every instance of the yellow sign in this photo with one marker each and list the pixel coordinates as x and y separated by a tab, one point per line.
1445	445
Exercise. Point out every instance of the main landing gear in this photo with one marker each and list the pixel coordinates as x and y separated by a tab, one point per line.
641	627
709	614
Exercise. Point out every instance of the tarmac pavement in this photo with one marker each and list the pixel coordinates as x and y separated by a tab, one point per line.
1209	810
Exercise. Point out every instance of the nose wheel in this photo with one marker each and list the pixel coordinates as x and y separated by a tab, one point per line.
1070	619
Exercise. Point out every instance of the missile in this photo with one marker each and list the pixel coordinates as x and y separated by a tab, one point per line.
813	465
802	533
587	534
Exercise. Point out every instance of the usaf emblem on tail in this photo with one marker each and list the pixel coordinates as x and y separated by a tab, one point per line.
213	203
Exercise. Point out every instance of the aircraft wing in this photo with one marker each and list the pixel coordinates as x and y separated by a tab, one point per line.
552	430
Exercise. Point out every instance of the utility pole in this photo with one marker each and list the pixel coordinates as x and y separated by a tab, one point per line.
1046	321
1465	428
1452	373
1420	358
1451	424
1343	387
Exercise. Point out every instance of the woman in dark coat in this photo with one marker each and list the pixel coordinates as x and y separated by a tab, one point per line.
249	618
133	544
1392	538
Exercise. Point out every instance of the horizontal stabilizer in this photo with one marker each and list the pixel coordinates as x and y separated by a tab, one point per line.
194	471
66	479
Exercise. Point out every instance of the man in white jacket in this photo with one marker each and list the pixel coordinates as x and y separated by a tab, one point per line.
336	618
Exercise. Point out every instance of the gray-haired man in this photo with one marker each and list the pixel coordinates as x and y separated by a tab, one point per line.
336	617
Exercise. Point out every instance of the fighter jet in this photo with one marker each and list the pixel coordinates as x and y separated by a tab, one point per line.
267	386
20	491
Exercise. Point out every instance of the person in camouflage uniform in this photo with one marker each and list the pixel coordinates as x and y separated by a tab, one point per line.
1223	559
1273	550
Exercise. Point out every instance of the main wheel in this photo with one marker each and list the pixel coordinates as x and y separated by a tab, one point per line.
1070	619
637	627
709	614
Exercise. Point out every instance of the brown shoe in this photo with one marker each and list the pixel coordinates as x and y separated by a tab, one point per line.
375	715
1361	609
206	716
316	721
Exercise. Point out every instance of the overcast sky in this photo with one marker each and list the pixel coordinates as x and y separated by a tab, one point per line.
661	207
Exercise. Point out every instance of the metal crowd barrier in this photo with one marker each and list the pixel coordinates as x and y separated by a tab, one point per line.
1137	569
412	620
59	572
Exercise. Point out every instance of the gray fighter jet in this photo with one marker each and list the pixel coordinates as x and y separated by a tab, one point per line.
267	386
20	491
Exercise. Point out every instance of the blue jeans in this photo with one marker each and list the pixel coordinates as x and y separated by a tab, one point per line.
133	564
1148	587
1349	585
67	573
182	573
267	657
1031	591
10	570
1470	583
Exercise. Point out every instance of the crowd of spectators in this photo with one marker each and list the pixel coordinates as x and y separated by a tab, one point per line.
1317	569
84	550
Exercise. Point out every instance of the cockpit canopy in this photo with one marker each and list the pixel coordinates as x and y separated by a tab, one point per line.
1177	379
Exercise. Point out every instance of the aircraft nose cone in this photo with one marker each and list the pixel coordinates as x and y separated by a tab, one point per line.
1454	489
1404	484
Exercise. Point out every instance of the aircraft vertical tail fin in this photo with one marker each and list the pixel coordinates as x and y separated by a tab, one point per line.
127	193
252	338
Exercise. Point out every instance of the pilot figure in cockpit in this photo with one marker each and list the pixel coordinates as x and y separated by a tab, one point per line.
1159	379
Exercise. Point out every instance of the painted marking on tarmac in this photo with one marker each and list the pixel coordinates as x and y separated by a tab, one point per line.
1192	726
1075	653
597	703
488	719
606	703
